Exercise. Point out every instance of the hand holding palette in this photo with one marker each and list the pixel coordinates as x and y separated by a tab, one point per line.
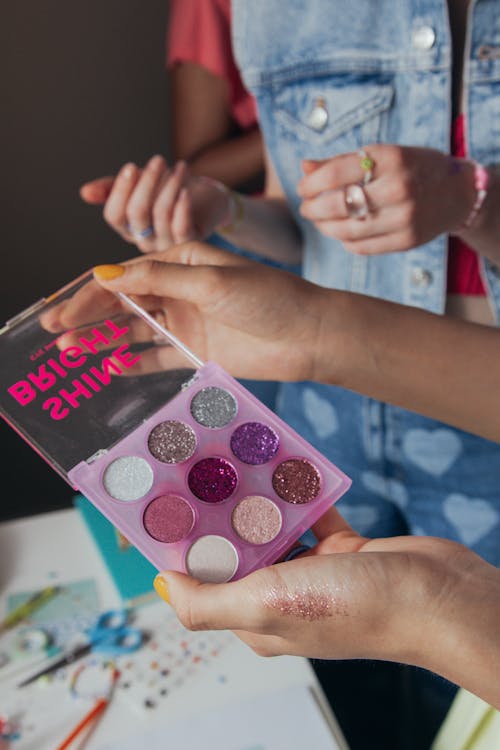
196	472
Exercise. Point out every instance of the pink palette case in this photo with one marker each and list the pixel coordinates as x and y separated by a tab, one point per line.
194	470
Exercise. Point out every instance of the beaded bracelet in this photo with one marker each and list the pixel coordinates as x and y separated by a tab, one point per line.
481	182
235	209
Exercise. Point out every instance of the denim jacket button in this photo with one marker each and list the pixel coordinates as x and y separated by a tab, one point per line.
423	38
421	277
318	117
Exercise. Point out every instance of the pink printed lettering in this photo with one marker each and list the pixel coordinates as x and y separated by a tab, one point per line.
73	396
91	344
54	406
23	392
44	379
124	355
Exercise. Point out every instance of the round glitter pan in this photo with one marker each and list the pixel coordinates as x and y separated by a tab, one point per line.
172	442
168	518
297	481
212	559
212	480
213	407
254	443
256	519
128	478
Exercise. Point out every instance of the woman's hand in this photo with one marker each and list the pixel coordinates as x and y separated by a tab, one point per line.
415	194
419	600
157	207
253	320
348	597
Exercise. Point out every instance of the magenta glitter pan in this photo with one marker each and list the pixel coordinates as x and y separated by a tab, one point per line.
196	472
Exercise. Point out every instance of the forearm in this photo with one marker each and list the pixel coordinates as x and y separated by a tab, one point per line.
463	643
484	235
437	366
266	227
233	161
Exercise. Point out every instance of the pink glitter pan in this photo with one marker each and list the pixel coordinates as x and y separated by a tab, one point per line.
196	472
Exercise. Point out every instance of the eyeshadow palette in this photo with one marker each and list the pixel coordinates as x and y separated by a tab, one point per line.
196	472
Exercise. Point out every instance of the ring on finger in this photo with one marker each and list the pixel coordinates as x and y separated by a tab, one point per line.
141	234
367	164
356	202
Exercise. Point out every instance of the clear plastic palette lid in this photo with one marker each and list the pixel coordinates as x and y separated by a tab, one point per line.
83	368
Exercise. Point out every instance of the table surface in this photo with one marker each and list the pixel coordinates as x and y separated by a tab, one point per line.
56	548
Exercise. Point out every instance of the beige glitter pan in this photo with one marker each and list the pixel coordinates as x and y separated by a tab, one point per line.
194	470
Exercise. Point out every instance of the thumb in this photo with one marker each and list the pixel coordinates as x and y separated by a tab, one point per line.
97	191
204	606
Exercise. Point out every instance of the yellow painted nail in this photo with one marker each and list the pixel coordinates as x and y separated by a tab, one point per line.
161	588
109	272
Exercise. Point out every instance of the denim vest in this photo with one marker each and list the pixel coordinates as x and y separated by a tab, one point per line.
330	77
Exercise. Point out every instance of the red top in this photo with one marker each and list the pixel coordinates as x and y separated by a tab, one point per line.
463	263
199	31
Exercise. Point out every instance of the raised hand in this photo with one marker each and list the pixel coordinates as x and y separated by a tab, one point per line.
387	198
157	207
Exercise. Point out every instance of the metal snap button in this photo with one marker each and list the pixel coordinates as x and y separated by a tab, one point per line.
318	117
421	277
423	38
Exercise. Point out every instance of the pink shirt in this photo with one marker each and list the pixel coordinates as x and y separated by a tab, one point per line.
463	265
200	32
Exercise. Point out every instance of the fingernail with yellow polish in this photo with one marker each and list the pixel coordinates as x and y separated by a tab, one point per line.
108	272
161	588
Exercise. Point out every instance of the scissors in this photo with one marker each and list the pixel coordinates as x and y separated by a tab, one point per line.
110	635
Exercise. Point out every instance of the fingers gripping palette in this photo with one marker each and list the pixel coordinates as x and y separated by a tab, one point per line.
196	472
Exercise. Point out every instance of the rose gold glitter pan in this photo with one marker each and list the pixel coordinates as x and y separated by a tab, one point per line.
196	472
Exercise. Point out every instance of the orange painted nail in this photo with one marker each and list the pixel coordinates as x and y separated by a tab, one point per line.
108	272
161	588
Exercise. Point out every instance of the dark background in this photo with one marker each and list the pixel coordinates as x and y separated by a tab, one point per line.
83	89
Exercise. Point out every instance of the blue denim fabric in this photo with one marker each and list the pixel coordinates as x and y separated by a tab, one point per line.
371	65
411	475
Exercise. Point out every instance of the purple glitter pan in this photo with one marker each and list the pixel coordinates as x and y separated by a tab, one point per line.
254	443
188	465
212	480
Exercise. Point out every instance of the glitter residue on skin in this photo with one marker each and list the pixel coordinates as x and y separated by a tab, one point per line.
212	480
128	478
172	442
309	602
214	407
254	443
168	518
212	559
256	519
308	605
296	481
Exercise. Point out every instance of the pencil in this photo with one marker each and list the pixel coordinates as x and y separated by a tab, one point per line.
28	607
98	707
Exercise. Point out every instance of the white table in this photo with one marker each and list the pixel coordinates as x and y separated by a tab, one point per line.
56	547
